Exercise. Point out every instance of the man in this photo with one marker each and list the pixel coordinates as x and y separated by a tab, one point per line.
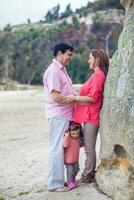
57	85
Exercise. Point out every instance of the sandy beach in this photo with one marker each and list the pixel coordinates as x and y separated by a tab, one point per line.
24	151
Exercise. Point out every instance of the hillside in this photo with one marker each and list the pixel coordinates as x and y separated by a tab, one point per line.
26	50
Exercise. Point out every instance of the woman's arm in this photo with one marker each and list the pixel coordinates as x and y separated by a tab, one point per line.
84	100
58	98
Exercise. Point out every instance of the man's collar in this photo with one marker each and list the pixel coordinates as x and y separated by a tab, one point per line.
59	64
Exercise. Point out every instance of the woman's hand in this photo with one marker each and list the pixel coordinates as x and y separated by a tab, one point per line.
69	99
75	93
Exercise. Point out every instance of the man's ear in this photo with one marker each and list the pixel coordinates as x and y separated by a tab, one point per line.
59	53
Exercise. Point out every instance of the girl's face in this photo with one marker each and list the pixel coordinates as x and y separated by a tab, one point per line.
75	133
92	61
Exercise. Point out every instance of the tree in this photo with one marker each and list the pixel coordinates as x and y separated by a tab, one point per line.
67	12
75	21
28	21
48	17
6	49
53	14
92	42
8	28
79	69
103	4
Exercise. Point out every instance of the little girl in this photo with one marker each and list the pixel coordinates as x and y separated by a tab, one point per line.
72	144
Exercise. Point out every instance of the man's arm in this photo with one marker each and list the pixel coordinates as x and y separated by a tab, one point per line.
57	97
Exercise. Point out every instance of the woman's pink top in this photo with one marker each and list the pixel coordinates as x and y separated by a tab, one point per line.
92	88
71	149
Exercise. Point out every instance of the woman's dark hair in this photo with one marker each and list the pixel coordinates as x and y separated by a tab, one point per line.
63	47
103	59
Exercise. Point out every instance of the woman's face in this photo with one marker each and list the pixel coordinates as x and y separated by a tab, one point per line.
92	61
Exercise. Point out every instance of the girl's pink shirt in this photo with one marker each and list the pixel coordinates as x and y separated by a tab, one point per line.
71	149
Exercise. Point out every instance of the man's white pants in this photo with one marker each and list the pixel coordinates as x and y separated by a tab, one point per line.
57	127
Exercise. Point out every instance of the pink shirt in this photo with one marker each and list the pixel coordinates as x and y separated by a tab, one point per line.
56	78
71	151
92	88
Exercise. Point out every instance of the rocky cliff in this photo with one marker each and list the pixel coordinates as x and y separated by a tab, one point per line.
115	174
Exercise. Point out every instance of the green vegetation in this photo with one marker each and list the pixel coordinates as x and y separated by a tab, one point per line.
104	4
2	198
52	15
24	193
40	190
98	5
26	51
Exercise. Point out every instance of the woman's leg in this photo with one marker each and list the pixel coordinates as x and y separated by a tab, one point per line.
90	136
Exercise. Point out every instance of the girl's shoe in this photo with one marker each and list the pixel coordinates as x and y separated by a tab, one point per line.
71	186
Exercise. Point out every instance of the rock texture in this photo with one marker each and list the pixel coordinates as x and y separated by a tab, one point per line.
115	174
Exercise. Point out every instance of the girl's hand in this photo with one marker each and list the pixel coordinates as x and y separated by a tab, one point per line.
66	133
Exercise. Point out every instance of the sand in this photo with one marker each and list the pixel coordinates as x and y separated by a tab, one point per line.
24	151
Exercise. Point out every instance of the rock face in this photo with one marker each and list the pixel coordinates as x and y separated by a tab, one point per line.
115	175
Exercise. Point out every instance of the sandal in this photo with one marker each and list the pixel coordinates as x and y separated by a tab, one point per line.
80	182
61	189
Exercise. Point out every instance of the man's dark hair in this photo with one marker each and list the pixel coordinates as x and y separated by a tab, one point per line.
63	47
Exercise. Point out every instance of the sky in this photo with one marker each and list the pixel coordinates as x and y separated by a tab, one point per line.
16	12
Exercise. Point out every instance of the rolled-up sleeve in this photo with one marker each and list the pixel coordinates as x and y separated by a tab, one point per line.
53	82
96	87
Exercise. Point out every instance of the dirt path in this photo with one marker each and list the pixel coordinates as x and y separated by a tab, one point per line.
24	150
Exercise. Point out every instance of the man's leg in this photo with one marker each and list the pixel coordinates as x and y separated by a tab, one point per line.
57	127
90	136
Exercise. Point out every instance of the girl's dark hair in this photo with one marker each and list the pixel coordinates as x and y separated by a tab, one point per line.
74	126
63	47
103	59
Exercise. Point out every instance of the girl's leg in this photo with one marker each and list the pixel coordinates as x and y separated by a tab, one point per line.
70	173
70	176
76	169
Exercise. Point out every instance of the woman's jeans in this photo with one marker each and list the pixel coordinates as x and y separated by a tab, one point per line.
90	136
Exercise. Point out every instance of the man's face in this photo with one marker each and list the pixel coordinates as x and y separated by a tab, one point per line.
67	57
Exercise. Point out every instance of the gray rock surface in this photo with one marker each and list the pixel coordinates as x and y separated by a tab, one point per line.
115	174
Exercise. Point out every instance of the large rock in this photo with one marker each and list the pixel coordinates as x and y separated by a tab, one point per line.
115	175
